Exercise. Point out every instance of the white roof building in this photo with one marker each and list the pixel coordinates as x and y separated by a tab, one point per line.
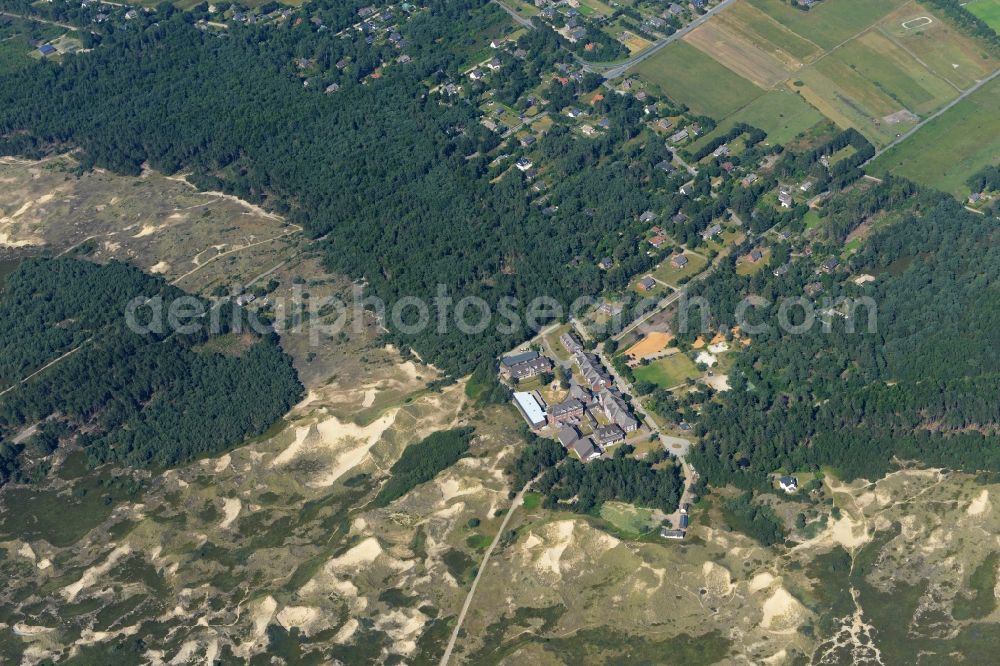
529	407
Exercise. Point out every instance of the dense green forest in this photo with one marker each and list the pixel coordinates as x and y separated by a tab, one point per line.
150	400
394	177
920	385
422	461
583	487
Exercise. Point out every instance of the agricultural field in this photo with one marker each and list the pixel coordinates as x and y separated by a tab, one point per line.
781	113
667	372
681	71
828	24
953	146
987	10
876	66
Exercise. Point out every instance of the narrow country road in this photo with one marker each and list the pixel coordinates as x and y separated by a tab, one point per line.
482	567
46	366
618	69
517	17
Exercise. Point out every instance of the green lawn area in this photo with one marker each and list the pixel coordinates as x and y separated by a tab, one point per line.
667	273
629	520
988	10
553	341
953	146
781	113
746	267
812	219
830	22
687	75
667	372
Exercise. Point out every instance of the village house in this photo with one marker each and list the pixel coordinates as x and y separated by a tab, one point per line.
785	199
679	136
586	450
571	342
749	179
756	255
657	241
608	435
781	270
647	217
712	232
523	164
606	263
567	411
665	166
646	284
476	74
788	483
664	124
679	261
829	265
813	288
592	371
528	141
567	435
531	408
721	150
617	411
494	64
524	366
581	393
806	186
679	218
671	534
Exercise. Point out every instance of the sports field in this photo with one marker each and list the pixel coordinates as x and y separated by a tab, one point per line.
687	75
988	10
950	148
667	372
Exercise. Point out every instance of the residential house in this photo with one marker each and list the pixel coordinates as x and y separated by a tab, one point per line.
606	263
574	112
581	393
679	136
617	411
608	435
477	74
721	150
785	198
332	88
676	535
806	185
647	217
679	261
664	124
675	9
577	34
530	408
46	49
657	241
781	270
571	342
586	450
523	164
788	483
665	166
592	371
813	288
756	255
646	284
566	435
494	64
829	265
567	411
131	14
679	218
749	179
712	232
528	141
687	189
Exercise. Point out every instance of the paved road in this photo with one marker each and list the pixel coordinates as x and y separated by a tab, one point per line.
617	69
913	130
482	567
514	15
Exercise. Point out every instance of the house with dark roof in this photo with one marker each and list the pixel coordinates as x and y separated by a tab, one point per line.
617	411
647	217
586	450
646	284
567	435
592	371
829	265
756	255
679	261
608	435
46	49
567	411
665	166
571	342
712	232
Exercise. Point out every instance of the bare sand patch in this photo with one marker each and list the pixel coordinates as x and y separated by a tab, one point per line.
365	552
91	575
761	581
304	618
718	580
159	267
231	508
782	612
717	382
979	505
